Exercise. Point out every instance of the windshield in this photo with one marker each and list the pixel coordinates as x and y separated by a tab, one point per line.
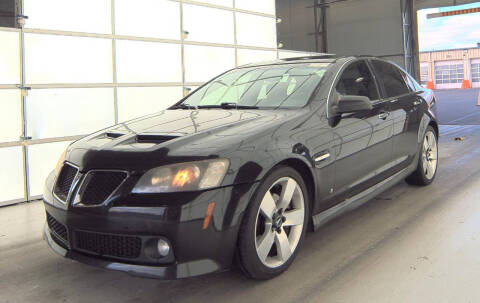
274	86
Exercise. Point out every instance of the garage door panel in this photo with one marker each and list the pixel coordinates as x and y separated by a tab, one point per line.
10	115
204	62
68	111
12	177
160	20
246	56
206	24
263	6
9	57
228	3
253	30
64	59
42	159
69	15
139	61
134	102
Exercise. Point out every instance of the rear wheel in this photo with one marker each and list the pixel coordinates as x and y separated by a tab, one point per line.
274	224
428	160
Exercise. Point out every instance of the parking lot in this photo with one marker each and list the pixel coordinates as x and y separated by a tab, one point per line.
410	244
459	106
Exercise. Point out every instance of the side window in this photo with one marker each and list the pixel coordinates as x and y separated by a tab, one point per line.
417	86
411	83
391	78
357	80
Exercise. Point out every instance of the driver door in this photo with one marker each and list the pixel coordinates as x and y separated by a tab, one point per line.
363	140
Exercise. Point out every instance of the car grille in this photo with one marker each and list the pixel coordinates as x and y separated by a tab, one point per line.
64	181
59	230
100	185
108	245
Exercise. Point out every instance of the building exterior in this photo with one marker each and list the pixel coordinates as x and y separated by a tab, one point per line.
449	69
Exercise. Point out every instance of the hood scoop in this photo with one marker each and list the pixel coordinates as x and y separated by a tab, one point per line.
113	135
105	138
154	138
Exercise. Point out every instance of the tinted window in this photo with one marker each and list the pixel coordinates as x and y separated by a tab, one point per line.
357	80
412	83
408	80
391	78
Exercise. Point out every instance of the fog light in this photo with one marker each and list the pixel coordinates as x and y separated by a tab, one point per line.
163	248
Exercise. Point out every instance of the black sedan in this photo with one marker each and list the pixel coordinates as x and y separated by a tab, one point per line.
240	168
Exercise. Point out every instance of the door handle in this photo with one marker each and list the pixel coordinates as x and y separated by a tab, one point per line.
322	157
417	102
383	115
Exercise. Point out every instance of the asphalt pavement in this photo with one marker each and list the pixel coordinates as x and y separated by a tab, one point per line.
458	106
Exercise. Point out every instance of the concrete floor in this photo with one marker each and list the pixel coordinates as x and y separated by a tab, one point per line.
412	244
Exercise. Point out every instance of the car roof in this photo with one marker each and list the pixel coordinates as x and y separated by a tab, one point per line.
321	58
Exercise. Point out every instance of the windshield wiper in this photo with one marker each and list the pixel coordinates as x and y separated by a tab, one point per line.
229	105
184	106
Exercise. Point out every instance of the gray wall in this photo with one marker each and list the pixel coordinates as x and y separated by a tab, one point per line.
361	27
295	31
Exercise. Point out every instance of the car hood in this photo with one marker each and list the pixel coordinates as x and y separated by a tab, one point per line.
174	136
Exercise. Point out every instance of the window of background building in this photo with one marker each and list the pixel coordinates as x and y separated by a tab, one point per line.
476	72
424	74
449	74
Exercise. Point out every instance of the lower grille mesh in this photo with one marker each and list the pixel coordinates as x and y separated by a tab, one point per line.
108	245
58	228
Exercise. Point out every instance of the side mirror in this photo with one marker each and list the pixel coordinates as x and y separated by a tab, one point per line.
351	104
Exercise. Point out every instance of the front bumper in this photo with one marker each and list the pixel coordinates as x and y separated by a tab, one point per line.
195	249
167	272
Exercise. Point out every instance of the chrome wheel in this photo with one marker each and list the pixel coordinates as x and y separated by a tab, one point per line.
429	155
279	223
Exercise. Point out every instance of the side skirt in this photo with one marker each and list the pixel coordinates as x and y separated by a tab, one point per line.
363	197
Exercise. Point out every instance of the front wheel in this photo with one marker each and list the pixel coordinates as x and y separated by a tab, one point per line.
274	224
428	160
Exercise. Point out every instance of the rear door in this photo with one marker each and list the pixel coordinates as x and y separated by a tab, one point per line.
404	103
363	143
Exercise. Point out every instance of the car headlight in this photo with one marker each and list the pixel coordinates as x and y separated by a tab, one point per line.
187	176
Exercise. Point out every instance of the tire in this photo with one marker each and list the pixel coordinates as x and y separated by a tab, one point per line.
274	224
427	160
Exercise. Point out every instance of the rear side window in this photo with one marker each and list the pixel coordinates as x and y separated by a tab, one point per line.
417	86
357	80
391	77
409	82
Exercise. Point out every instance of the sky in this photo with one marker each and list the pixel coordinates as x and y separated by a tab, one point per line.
461	31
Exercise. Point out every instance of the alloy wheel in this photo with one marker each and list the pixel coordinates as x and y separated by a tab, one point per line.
429	155
279	223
